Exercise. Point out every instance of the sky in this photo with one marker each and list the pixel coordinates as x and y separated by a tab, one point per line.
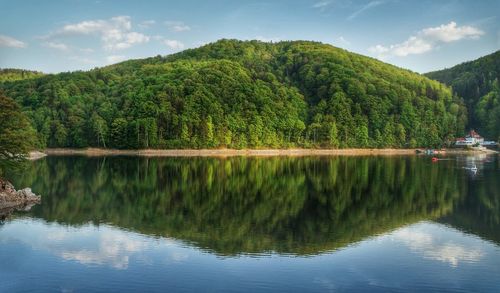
67	35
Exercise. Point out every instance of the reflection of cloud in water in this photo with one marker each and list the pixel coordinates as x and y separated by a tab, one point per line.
114	248
425	244
91	245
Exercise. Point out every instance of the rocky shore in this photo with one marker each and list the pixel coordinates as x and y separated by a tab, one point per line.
12	199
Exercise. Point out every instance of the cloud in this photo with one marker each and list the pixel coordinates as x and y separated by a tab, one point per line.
6	41
428	247
342	41
174	44
427	39
177	26
323	4
451	32
56	46
115	33
115	59
370	5
146	23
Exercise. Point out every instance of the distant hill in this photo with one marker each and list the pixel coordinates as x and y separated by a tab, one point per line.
242	94
9	74
477	82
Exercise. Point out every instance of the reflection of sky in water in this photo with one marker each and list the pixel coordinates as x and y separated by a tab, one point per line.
436	243
424	256
88	245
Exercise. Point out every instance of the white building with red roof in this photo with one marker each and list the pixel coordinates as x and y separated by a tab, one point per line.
471	139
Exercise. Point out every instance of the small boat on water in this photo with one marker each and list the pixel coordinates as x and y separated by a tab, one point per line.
472	169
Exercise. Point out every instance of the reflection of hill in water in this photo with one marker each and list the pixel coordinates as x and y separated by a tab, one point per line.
247	205
479	212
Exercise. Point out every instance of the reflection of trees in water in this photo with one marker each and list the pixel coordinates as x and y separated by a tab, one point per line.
479	212
239	205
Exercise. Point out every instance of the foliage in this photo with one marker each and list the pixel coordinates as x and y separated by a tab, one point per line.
477	82
242	94
8	74
15	134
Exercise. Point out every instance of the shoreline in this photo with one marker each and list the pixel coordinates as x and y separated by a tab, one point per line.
96	152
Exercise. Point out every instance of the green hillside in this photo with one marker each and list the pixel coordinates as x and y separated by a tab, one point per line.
242	94
477	82
9	74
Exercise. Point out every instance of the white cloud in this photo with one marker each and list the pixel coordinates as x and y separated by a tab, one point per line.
322	4
6	41
177	26
146	23
115	59
343	41
174	44
370	5
126	41
56	45
115	33
427	39
451	32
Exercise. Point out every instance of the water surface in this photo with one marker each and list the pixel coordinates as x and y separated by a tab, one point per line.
255	224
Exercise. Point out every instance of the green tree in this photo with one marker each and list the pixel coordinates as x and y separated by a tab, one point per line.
16	134
119	129
332	134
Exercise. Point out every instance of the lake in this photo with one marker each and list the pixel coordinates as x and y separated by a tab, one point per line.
280	224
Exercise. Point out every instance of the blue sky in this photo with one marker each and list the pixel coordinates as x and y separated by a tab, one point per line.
64	35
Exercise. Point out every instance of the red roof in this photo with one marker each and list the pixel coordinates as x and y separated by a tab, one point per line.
474	134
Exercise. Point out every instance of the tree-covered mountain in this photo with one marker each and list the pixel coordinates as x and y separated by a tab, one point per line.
242	94
477	82
9	74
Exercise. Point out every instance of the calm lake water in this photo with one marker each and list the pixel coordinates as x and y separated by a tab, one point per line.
129	224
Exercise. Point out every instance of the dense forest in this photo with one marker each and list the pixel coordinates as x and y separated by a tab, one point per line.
477	82
241	94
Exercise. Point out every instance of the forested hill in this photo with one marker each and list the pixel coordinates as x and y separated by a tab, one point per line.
9	74
477	82
242	94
